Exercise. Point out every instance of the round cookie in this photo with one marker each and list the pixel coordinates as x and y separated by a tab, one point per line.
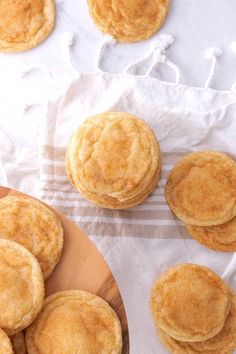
223	343
24	24
75	322
219	238
18	343
5	343
114	160
21	287
190	303
201	189
129	20
30	223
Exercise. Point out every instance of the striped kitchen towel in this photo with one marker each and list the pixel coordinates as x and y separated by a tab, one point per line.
141	242
140	221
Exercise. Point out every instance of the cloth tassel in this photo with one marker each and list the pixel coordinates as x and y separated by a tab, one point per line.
212	54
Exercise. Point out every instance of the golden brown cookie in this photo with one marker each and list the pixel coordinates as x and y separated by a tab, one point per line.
30	223
201	189
21	287
114	160
25	23
223	343
190	303
18	343
129	20
5	343
75	322
219	238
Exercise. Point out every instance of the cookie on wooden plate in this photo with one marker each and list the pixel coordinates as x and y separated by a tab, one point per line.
190	303
21	287
75	322
114	160
129	20
30	223
5	343
223	343
25	23
219	238
201	189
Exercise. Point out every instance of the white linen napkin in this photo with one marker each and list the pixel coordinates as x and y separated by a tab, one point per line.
19	168
142	242
139	243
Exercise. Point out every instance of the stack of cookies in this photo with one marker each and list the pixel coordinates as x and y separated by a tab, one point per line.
194	311
31	242
114	160
201	191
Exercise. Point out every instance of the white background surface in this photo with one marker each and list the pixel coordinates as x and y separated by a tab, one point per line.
195	24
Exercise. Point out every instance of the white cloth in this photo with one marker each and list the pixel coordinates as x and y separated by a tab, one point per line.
19	168
184	119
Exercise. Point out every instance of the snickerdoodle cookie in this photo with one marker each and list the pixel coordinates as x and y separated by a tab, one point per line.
201	188
25	23
114	160
21	287
18	343
219	238
75	322
34	226
129	20
190	303
223	343
5	343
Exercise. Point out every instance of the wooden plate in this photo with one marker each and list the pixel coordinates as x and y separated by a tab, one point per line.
83	267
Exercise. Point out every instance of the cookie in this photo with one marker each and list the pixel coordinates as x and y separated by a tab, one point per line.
75	322
114	160
18	343
25	23
5	343
30	223
223	343
190	303
219	238
21	287
128	20
201	189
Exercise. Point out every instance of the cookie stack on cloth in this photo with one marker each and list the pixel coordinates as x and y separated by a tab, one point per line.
194	311
114	160
201	191
31	243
